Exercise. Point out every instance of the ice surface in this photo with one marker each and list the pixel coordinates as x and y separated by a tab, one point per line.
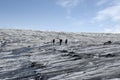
30	55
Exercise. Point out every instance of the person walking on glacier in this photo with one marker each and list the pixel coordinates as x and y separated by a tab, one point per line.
66	41
60	41
53	41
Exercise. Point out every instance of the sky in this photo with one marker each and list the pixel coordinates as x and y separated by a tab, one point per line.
102	16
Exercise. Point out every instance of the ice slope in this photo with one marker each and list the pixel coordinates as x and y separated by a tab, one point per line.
30	55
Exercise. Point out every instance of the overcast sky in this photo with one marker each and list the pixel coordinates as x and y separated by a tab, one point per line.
61	15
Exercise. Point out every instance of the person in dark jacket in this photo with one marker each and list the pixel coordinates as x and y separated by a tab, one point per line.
66	41
53	41
60	41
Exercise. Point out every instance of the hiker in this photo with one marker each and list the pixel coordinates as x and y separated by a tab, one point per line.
53	41
108	42
66	41
60	41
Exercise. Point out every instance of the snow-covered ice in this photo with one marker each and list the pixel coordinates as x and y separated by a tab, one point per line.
30	55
